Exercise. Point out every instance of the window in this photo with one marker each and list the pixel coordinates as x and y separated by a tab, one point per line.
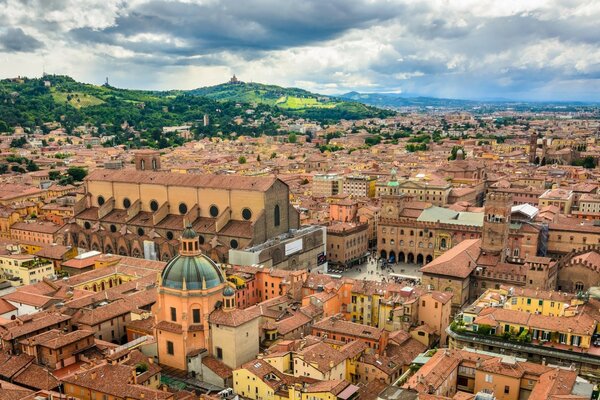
170	235
506	389
173	314
276	216
196	316
488	378
126	203
246	214
214	211
219	353
579	286
170	349
154	205
100	200
140	231
183	208
113	228
233	244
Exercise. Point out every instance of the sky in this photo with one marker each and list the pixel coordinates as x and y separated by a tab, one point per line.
471	49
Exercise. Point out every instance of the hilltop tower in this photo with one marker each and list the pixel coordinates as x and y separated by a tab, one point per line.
496	221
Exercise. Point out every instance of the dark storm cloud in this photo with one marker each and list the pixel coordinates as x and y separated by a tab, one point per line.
15	40
247	27
437	48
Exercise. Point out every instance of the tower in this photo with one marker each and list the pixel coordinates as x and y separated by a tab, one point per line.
147	160
190	288
532	147
496	221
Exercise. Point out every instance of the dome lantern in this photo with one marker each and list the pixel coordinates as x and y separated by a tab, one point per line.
191	270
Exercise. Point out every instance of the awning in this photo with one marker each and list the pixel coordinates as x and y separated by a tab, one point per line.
348	392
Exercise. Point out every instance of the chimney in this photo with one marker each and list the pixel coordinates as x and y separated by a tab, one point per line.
142	395
93	375
330	364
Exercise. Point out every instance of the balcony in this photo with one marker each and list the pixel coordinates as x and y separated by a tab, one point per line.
551	349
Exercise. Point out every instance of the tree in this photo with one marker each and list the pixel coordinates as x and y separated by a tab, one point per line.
32	166
292	137
18	143
273	155
242	160
258	158
77	173
3	168
54	175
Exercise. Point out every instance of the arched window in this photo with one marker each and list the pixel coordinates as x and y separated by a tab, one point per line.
143	165
579	286
443	243
154	164
276	216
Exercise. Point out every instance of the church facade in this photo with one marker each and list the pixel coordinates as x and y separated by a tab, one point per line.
142	212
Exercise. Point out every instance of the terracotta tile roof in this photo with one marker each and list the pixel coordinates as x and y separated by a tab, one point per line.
114	380
12	364
456	262
9	391
237	182
6	307
234	317
217	367
337	324
37	377
31	323
31	299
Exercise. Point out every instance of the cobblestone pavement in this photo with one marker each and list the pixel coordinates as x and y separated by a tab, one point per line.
372	270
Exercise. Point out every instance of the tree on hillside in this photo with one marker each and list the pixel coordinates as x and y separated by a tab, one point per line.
292	137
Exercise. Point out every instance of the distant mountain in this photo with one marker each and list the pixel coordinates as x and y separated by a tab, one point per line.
395	101
292	100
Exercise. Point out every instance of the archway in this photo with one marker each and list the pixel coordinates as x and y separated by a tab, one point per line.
392	258
420	259
401	257
383	254
428	259
102	286
410	258
122	251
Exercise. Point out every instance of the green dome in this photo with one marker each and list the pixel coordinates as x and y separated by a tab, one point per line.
229	291
196	270
188	233
393	183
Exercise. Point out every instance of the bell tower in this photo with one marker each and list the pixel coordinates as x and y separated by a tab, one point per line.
532	147
496	221
147	160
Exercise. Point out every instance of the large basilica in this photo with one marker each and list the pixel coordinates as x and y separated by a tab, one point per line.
142	212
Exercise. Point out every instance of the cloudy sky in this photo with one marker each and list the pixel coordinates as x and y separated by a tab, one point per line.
517	49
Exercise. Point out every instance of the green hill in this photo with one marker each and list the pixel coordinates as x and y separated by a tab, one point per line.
292	101
55	98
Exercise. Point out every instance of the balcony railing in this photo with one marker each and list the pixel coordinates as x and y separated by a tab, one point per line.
500	342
